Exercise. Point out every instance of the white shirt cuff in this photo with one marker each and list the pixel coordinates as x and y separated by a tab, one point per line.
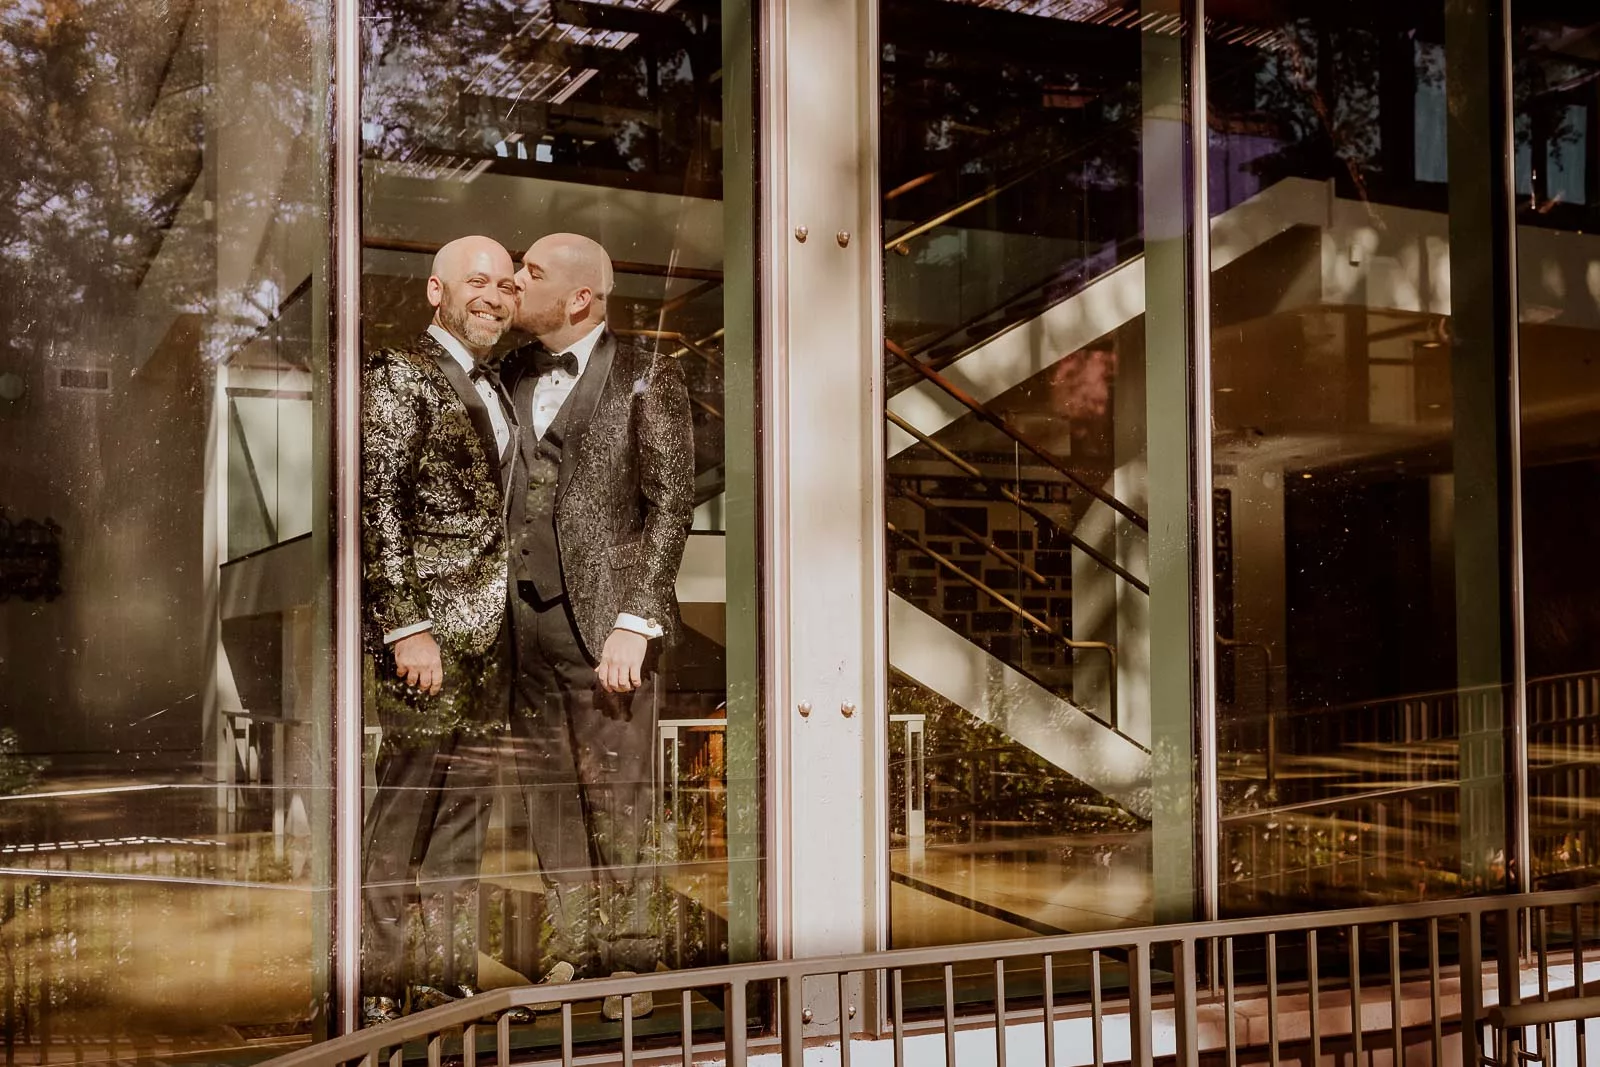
406	631
637	625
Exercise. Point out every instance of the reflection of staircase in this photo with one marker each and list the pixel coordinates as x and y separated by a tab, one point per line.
989	560
944	661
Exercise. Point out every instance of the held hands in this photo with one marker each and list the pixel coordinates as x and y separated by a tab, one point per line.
622	661
416	659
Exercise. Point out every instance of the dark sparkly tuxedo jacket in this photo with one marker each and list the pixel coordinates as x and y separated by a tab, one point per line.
625	490
432	531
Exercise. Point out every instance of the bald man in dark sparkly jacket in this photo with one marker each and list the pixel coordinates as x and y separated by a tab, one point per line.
599	516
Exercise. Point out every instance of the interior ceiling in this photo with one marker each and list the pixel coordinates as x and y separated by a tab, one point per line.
604	86
1258	29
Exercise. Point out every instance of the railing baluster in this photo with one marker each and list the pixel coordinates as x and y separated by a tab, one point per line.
1049	1011
469	1045
397	1058
733	1024
1139	1009
1545	1036
793	1037
1000	1012
1433	993
1355	991
1395	1027
1186	1016
686	1026
566	1033
502	1040
1229	1025
1471	988
627	1031
1311	996
1097	1010
1272	1000
1542	948
844	1019
897	999
950	1015
1577	949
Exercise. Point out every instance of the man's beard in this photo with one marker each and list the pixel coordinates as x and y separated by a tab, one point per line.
545	322
471	329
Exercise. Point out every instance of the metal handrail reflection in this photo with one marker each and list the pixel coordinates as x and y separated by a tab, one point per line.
1005	427
970	534
1235	645
686	343
1035	513
1022	613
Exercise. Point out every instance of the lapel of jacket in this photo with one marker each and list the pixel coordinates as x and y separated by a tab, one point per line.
576	414
469	396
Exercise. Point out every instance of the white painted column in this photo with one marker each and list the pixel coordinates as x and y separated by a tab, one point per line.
824	449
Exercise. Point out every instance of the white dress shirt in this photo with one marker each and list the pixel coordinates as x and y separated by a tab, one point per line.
497	418
497	414
553	387
549	393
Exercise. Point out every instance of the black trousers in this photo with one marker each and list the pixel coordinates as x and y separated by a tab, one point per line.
424	831
585	759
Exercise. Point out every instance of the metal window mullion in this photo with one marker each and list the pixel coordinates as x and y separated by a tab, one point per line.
1208	809
1521	834
869	191
773	388
347	516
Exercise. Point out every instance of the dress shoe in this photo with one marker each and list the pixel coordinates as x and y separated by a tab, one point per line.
516	1016
375	1010
643	1003
424	997
560	973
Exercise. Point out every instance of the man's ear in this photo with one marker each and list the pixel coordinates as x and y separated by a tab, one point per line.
580	302
435	291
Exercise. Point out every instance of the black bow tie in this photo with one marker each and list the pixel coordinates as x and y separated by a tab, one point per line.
545	361
484	372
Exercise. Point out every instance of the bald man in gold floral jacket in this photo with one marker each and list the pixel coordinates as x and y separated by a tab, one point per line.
439	441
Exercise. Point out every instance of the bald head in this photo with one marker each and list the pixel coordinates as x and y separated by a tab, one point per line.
473	291
565	281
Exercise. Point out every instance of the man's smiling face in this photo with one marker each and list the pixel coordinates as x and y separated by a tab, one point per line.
475	294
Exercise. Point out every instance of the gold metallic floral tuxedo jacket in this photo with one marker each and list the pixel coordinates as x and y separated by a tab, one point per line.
625	489
432	527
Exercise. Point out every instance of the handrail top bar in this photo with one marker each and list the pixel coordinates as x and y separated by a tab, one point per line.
1465	690
468	1011
1002	424
1558	1009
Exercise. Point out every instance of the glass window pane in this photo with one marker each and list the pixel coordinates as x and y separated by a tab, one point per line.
540	817
1558	262
1035	207
1363	648
164	529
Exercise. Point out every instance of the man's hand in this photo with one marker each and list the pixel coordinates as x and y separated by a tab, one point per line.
416	659
622	661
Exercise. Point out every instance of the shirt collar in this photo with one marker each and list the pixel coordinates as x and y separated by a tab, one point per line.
451	344
584	346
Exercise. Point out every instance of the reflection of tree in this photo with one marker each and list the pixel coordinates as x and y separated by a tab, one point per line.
19	771
1551	96
974	97
108	109
93	165
1323	89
